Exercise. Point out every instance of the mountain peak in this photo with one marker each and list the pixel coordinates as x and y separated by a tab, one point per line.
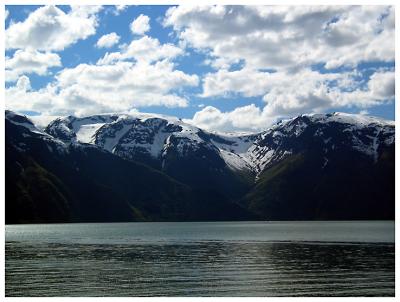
324	145
350	118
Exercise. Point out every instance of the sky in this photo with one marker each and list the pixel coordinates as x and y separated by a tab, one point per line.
222	68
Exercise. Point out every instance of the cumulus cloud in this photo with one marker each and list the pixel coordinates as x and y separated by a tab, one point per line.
50	29
141	74
278	48
119	9
278	36
107	41
382	85
286	95
6	13
42	121
23	84
246	118
292	89
247	82
30	61
21	97
140	25
274	53
144	49
88	89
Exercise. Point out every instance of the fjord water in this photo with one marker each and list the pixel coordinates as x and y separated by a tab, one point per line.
201	259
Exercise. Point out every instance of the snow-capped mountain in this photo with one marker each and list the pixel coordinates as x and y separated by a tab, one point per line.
53	180
154	137
316	166
183	151
330	133
28	131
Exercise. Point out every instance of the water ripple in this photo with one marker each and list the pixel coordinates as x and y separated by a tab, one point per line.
199	269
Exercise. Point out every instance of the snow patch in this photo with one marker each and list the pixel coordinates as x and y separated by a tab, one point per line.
111	141
86	133
234	161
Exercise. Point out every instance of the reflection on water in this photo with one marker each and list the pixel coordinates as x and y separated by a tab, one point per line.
199	268
354	258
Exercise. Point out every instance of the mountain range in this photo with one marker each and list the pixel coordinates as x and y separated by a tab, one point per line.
148	167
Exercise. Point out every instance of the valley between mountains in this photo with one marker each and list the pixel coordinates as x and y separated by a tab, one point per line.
147	167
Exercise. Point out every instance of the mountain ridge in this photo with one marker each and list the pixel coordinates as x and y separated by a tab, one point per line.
232	148
250	172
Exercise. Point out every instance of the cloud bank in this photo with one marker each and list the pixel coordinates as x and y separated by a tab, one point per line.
292	60
278	49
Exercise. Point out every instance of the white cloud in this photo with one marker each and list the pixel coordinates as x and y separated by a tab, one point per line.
6	13
287	95
21	97
150	49
278	48
41	121
141	74
89	89
128	84
380	89
382	85
310	91
140	25
119	9
50	29
144	49
110	58
30	61
107	41
279	36
23	84
246	118
246	82
270	85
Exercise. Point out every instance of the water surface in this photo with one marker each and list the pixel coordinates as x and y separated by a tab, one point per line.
201	259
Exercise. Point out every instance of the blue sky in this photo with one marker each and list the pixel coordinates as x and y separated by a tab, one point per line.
219	67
